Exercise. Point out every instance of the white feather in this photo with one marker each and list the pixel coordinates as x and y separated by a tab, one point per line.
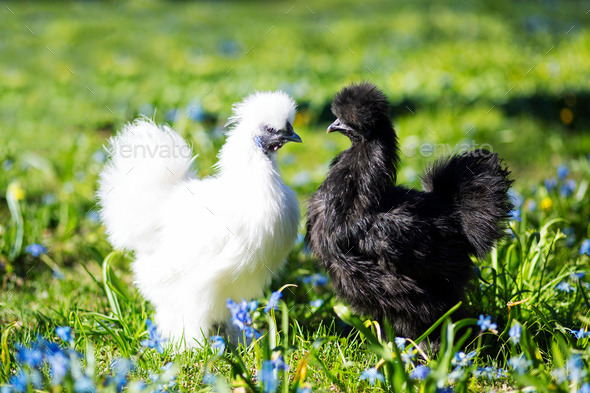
199	242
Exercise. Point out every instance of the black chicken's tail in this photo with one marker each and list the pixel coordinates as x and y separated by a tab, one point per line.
476	184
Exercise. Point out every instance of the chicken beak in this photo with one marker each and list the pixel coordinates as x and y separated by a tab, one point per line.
337	126
293	137
333	127
290	135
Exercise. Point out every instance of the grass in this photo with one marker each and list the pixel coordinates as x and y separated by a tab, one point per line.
460	75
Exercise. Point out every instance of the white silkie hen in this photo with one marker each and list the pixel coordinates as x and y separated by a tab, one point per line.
198	242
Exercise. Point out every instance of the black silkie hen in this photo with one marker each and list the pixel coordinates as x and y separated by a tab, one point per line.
395	253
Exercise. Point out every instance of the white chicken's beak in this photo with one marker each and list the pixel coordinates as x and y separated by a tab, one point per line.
293	137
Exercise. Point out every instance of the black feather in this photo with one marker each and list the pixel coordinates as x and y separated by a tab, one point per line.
396	253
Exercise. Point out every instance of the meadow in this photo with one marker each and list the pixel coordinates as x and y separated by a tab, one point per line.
509	76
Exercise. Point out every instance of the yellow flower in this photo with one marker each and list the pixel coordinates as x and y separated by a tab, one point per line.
16	190
546	203
566	115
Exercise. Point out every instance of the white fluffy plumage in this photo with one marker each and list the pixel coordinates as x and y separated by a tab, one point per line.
198	242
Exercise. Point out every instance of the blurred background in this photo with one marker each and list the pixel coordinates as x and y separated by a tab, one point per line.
510	76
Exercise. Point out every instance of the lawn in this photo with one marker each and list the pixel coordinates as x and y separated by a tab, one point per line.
512	77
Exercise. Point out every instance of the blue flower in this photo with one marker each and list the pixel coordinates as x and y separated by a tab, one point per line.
84	385
240	314
99	156
565	286
515	198
315	279
550	184
218	344
462	360
490	372
50	348
400	342
273	302
58	366
575	368
577	276
515	215
515	332
19	382
585	247
559	374
456	374
32	357
567	188
93	216
372	375
300	237
7	164
146	109
80	176
171	115
301	178
250	332
65	333
35	249
279	363
519	364
122	369
195	112
485	323
316	303
562	172
307	389
209	379
49	199
268	374
580	334
155	339
531	205
268	377
228	48
36	379
420	372
487	372
570	234
165	381
407	357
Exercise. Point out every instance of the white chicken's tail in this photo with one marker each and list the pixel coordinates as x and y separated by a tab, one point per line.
146	161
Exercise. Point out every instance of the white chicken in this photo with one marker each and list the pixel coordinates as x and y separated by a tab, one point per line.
198	242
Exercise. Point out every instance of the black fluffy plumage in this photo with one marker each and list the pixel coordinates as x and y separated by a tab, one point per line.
392	252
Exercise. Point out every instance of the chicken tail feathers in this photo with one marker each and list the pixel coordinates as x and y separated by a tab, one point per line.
476	185
145	162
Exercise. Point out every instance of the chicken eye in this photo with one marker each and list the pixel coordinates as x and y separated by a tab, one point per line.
270	130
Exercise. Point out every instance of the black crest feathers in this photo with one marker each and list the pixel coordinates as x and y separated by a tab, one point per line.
362	106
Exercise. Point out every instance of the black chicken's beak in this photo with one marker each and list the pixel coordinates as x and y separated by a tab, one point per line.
337	126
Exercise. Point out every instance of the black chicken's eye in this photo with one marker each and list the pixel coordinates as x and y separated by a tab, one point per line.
270	130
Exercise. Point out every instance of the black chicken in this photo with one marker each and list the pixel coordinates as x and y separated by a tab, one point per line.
395	253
